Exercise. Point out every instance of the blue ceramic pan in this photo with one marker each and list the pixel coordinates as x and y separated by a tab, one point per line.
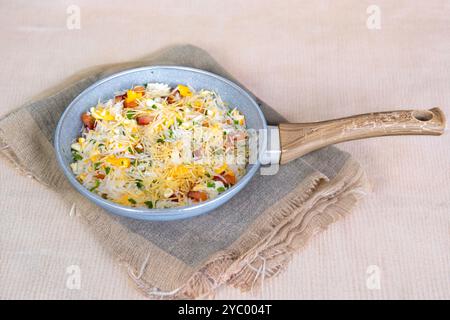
282	144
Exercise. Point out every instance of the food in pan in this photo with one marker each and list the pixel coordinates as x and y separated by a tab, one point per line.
159	147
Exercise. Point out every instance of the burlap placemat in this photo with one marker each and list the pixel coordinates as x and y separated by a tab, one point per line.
242	243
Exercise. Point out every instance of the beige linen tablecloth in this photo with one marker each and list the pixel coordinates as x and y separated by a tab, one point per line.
312	61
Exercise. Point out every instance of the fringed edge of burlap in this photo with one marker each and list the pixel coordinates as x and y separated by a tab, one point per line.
286	228
303	213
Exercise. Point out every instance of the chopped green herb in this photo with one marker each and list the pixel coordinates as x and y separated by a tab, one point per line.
130	114
154	106
139	184
97	165
76	156
208	175
107	170
211	185
221	189
160	140
236	122
97	184
149	204
179	121
130	150
132	201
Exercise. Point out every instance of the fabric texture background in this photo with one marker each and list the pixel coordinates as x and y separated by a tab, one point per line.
310	61
244	241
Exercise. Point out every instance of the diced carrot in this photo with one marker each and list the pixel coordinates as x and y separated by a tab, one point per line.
130	104
144	120
100	175
88	121
230	178
198	195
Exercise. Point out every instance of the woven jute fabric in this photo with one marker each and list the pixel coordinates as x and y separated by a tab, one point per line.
243	243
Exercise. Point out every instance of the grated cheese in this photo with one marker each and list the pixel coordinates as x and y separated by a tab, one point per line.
168	148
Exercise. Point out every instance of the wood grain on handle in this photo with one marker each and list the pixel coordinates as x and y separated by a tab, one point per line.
298	139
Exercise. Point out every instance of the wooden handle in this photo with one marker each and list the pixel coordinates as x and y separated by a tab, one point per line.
298	139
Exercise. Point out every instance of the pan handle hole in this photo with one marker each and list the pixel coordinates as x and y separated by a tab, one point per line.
423	115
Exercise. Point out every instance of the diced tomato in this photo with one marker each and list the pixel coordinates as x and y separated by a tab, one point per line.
198	195
144	120
88	121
